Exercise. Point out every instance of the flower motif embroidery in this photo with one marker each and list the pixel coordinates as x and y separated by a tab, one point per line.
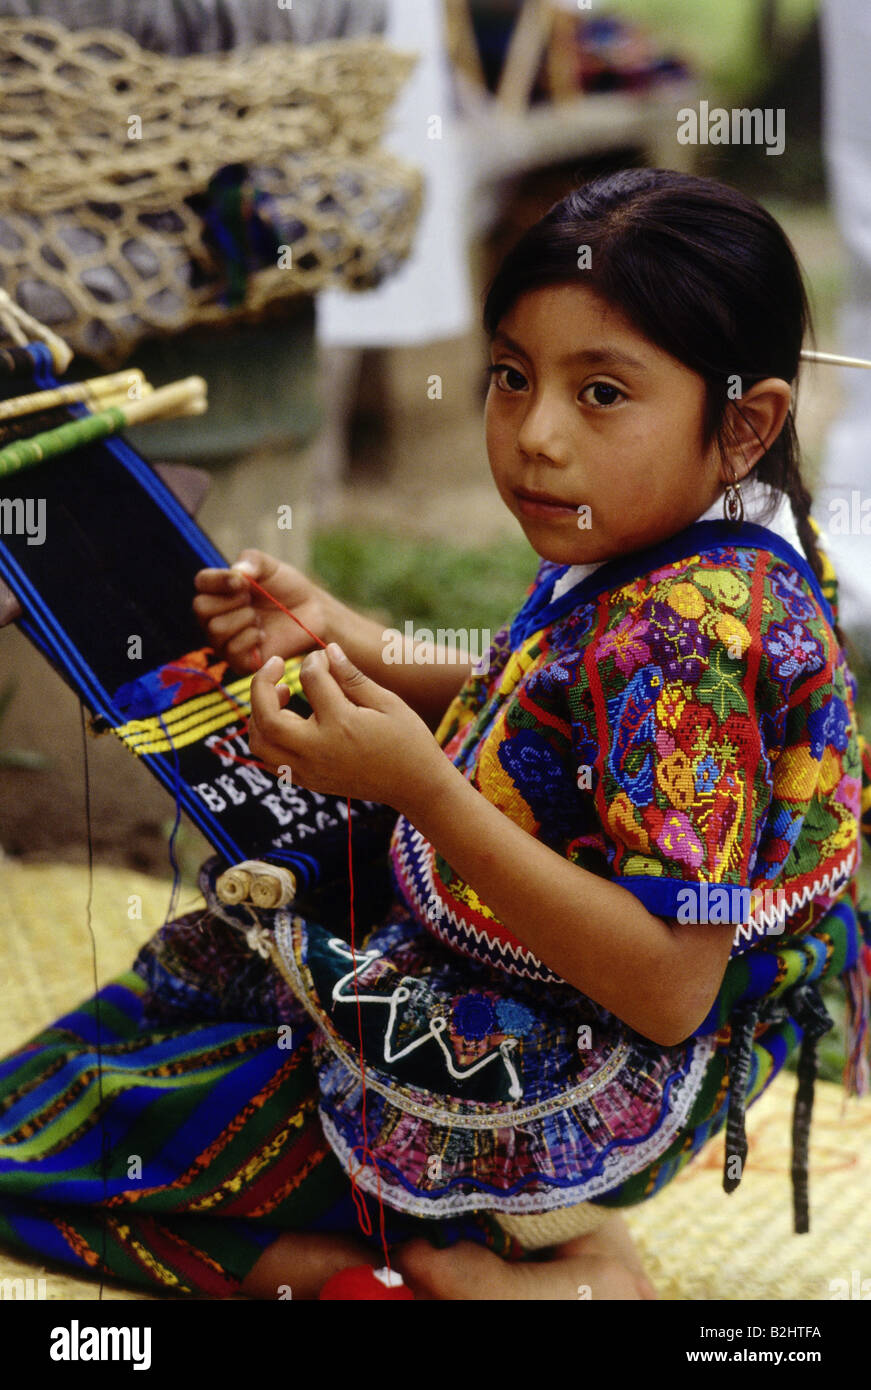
727	587
787	586
671	703
626	644
707	774
574	626
793	649
677	643
624	825
733	634
514	1017
473	1017
686	600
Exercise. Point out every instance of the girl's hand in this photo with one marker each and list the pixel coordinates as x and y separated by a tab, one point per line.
360	740
242	626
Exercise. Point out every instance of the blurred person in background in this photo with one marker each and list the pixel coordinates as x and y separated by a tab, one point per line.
429	298
846	468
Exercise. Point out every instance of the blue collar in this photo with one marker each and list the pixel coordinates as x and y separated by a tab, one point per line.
538	612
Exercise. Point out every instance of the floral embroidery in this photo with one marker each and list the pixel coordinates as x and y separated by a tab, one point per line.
727	587
473	1017
700	755
686	600
707	773
786	584
793	648
675	775
671	704
626	645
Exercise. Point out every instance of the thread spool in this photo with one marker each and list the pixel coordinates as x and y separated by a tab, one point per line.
234	885
273	888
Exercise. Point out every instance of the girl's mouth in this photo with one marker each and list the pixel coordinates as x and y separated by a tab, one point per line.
542	505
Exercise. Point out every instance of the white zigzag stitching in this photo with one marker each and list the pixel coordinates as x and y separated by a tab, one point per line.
436	1027
764	919
538	971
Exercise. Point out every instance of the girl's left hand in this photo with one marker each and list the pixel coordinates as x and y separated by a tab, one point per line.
360	739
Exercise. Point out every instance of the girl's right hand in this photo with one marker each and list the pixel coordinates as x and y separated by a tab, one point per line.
242	626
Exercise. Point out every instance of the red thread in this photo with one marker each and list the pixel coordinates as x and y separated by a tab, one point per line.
363	1149
266	594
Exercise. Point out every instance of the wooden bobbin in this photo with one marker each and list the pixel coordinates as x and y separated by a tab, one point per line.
234	885
274	888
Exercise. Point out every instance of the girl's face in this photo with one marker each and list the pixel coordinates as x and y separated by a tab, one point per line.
602	425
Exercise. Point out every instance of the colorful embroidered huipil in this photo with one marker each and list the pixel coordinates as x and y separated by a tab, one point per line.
681	721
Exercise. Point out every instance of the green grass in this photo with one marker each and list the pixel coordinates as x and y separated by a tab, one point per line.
431	583
720	38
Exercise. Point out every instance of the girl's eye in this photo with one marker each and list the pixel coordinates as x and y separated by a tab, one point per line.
506	378
604	393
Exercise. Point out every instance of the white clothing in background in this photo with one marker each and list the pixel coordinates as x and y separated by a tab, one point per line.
429	297
846	35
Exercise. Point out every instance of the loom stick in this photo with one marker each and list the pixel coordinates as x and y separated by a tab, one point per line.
186	397
16	320
834	359
97	388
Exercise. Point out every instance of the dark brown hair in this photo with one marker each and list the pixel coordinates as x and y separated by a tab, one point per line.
703	272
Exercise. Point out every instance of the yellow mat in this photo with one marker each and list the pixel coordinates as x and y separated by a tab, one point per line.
697	1242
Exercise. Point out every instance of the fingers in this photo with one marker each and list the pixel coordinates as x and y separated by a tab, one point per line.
227	583
219	589
351	682
274	732
236	632
245	650
221	595
256	563
319	688
10	608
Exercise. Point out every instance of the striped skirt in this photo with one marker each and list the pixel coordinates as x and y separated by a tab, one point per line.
166	1132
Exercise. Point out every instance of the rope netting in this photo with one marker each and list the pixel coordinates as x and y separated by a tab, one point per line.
142	193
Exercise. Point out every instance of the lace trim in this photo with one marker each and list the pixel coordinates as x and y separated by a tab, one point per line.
617	1167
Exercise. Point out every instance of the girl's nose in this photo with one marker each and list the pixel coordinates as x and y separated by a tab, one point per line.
543	432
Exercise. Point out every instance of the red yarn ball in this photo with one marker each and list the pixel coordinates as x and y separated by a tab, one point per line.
362	1283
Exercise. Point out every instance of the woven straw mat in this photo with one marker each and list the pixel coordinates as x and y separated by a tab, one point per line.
696	1242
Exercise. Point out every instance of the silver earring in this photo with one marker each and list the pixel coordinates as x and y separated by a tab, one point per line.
733	503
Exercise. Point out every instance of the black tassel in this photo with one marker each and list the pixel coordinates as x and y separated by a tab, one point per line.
810	1013
740	1055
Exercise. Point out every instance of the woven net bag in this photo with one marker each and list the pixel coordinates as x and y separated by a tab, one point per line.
142	194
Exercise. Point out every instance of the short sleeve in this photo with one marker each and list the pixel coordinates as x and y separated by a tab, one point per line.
693	678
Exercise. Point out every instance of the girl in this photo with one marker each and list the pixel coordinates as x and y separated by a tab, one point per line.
621	864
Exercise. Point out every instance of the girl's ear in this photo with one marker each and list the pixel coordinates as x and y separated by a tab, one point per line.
753	422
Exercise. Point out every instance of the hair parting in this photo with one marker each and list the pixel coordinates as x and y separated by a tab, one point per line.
704	273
